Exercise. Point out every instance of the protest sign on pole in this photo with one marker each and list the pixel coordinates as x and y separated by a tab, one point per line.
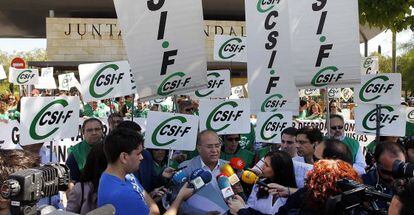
269	67
218	85
229	48
67	81
171	131
237	92
2	73
379	89
369	65
325	43
346	94
309	92
105	80
230	116
334	93
410	114
8	137
46	79
25	76
391	121
271	124
164	41
53	118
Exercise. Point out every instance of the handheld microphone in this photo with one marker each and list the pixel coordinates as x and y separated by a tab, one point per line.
237	163
249	177
179	177
199	178
225	187
228	171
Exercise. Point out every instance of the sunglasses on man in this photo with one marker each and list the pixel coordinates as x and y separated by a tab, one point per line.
338	127
231	139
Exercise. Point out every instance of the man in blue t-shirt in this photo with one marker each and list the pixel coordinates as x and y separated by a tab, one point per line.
117	186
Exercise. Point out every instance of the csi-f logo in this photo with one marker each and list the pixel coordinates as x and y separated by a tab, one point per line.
173	82
333	92
170	129
386	117
25	76
47	117
272	125
230	48
372	86
368	63
410	115
106	76
212	84
265	5
273	103
326	75
218	115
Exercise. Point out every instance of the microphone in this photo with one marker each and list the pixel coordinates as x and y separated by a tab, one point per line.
225	187
249	177
199	178
179	177
237	163
228	171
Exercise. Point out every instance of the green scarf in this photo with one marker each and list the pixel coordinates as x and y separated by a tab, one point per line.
80	151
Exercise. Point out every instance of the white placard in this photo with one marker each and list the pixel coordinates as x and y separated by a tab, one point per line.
67	81
346	94
237	92
11	75
171	131
369	65
309	92
379	89
392	120
46	79
325	43
53	118
8	136
269	67
2	73
218	84
270	126
25	76
231	116
105	80
230	48
410	114
164	41
334	93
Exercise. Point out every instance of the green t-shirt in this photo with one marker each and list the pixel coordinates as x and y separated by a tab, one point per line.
261	153
353	146
247	140
245	155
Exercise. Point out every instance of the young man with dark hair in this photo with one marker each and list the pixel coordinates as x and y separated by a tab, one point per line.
335	149
92	131
308	138
114	119
117	185
289	143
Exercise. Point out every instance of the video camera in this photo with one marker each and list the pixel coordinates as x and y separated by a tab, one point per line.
400	169
355	196
26	187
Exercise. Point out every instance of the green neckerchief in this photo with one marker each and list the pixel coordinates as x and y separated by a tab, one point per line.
245	155
80	151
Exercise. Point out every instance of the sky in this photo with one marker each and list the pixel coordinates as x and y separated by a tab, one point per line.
384	39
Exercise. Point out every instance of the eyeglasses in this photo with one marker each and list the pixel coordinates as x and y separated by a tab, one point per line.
231	139
287	142
213	146
338	127
90	130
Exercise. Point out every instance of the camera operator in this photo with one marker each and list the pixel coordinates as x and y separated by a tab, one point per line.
12	161
409	148
380	176
402	202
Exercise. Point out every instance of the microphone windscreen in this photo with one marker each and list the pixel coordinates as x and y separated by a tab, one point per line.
227	170
206	176
223	182
196	173
179	177
237	163
249	177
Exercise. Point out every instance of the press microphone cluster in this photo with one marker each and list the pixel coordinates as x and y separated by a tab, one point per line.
197	179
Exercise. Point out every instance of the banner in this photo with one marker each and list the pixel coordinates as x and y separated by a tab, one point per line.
369	65
231	116
9	134
218	85
53	118
334	93
67	81
269	67
410	114
392	120
2	73
171	131
270	125
309	92
237	92
229	48
25	76
349	129
164	41
46	79
325	42
379	89
105	80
